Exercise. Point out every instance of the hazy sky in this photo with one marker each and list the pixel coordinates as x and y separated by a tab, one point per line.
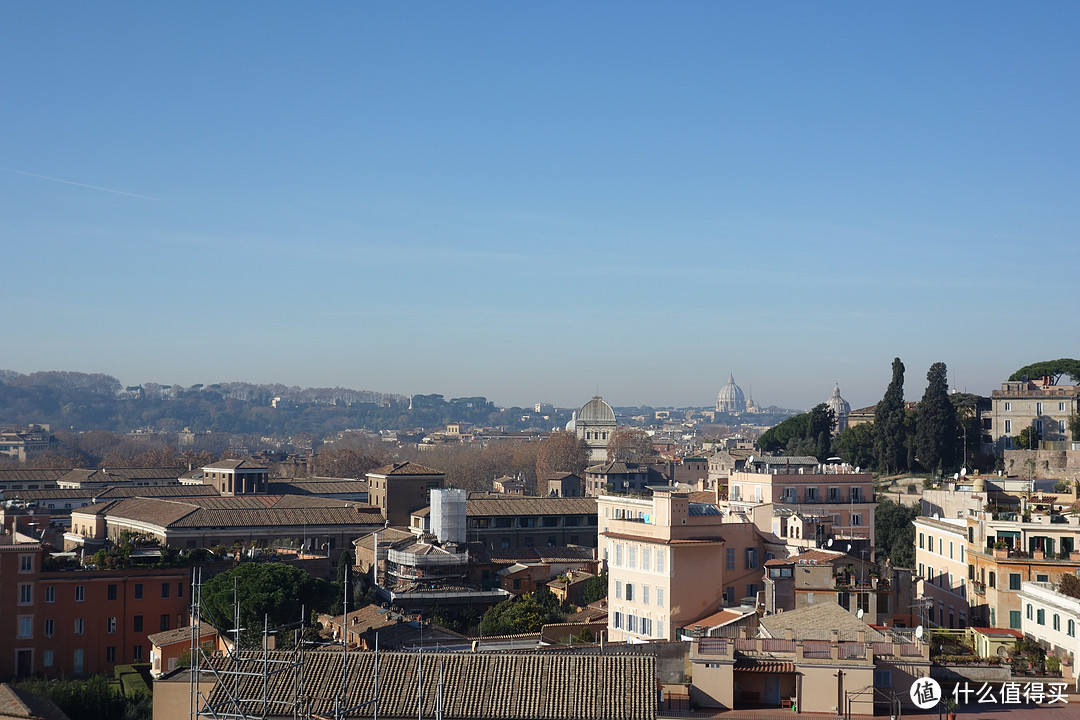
536	201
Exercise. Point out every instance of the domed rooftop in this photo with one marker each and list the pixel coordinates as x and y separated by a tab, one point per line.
837	404
596	411
571	424
730	398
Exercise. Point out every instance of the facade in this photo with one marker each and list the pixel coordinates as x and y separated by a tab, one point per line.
167	648
565	484
80	479
801	485
1026	403
647	544
594	424
1051	619
81	622
819	659
825	576
621	477
941	546
511	523
318	525
22	444
400	488
237	477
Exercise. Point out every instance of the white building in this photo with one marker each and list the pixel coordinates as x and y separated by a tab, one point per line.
595	423
1050	618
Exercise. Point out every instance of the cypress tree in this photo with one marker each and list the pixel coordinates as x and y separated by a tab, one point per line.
935	427
890	437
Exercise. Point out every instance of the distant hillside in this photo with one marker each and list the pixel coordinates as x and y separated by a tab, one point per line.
99	402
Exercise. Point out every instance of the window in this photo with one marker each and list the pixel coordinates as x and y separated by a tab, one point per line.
1057	622
1040	616
618	555
1008	407
1070	628
856	494
138	591
631	556
751	590
922	570
646	626
1061	407
1030	611
660	557
1008	425
618	589
730	553
80	626
644	594
645	555
1038	408
751	558
112	591
1014	581
856	519
921	537
1061	426
883	678
930	543
1042	578
950	549
660	598
26	626
50	628
26	563
138	623
80	593
630	592
111	625
26	594
1014	619
862	601
811	494
50	593
991	579
110	654
136	653
47	658
78	660
164	622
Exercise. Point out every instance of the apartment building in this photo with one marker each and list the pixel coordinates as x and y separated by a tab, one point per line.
1050	618
649	542
802	485
81	622
941	548
400	488
1031	403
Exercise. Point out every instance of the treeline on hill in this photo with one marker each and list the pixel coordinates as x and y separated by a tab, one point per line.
95	401
930	436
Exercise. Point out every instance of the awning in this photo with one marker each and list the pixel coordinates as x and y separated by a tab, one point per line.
764	666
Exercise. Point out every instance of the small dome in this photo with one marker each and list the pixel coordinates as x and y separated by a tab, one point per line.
596	411
730	398
839	406
571	424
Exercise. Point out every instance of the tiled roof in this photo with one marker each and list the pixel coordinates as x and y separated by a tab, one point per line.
477	686
764	666
816	622
115	491
533	556
319	487
242	464
121	475
998	632
705	496
717	619
405	468
245	511
179	634
617	468
386	536
530	506
32	475
16	703
810	557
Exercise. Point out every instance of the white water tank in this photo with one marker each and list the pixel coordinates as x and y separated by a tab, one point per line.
448	515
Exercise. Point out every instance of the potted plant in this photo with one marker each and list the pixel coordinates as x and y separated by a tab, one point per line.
1001	549
949	705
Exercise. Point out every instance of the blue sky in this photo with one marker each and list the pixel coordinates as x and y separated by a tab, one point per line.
534	201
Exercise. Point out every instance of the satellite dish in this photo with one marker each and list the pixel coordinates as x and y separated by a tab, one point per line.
829	544
750	460
858	469
956	476
963	471
919	632
937	516
859	614
848	547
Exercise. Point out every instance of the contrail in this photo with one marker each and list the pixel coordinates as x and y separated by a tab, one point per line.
79	184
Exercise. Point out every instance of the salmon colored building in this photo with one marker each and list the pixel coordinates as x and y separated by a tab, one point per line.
81	622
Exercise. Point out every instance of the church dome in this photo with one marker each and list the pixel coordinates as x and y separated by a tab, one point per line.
596	411
571	424
730	398
839	406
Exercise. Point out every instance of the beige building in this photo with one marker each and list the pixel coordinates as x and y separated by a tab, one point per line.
647	544
1026	403
400	488
818	659
594	424
237	477
941	558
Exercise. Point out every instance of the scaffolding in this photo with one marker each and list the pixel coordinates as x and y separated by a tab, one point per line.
232	698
